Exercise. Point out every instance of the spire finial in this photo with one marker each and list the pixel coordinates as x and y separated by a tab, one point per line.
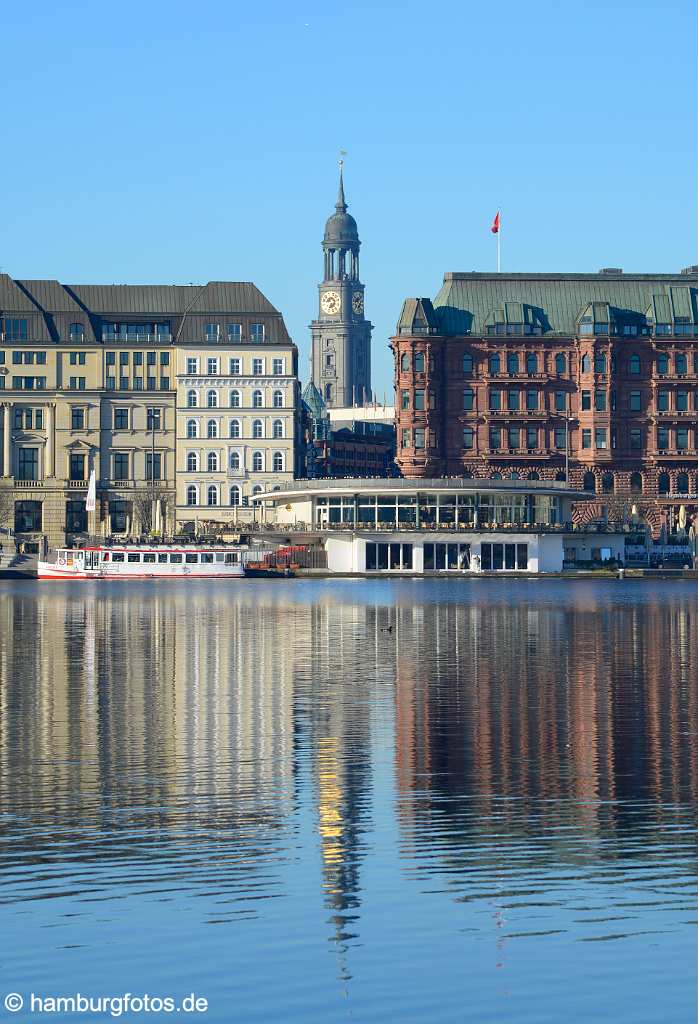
340	205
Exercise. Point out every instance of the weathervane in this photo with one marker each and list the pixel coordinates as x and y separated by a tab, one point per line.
342	154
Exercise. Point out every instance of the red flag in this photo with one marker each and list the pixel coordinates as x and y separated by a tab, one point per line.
495	225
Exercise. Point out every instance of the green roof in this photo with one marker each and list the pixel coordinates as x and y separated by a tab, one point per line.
555	302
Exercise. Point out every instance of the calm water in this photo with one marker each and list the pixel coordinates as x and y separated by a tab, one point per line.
356	800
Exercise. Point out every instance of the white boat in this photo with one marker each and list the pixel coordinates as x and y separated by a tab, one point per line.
143	562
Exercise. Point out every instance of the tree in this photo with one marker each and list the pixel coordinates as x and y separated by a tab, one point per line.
7	508
143	507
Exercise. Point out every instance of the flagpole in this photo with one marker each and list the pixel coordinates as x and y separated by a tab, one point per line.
499	236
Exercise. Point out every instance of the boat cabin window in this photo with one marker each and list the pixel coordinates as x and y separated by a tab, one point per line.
191	559
118	556
105	556
149	557
206	559
220	558
175	559
230	559
162	559
134	557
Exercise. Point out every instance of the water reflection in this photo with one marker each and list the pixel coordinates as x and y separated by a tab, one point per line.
493	760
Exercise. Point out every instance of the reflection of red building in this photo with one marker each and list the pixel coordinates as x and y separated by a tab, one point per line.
512	374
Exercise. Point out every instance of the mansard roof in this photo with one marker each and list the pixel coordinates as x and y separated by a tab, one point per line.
468	303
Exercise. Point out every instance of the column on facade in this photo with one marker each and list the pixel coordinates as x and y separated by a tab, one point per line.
6	453
49	469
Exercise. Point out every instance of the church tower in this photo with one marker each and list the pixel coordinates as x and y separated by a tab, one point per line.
341	335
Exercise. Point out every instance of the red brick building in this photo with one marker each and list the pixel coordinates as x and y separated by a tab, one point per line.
538	376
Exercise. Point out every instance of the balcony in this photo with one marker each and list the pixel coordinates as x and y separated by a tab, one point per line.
131	336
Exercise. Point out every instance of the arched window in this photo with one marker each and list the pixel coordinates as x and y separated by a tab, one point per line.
277	429
636	483
192	399
494	363
212	428
404	362
256	489
419	362
467	474
234	399
589	482
560	364
277	462
212	399
607	483
328	392
681	364
663	364
235	428
257	462
495	476
531	363
257	428
212	498
235	461
235	495
192	428
514	475
512	362
278	400
600	362
257	401
212	462
682	483
586	363
561	475
533	476
635	365
192	495
192	462
663	483
467	363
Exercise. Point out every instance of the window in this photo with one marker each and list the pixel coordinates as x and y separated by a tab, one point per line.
75	517
278	400
121	466
681	401
278	367
256	333
560	364
514	437
600	401
468	437
257	367
121	419
405	438
512	362
600	361
586	363
76	467
212	462
531	399
635	366
234	461
77	358
682	483
153	465
192	365
681	363
15	330
404	362
662	438
636	439
531	362
234	332
257	462
419	399
532	437
601	438
154	419
277	462
192	462
192	399
419	438
586	400
635	401
495	438
192	495
212	429
257	429
682	438
235	428
255	490
235	367
235	495
212	399
560	401
27	516
28	464
77	383
468	399
234	399
212	366
607	483
512	401
77	419
494	363
495	401
419	362
589	482
662	401
211	332
586	438
164	359
257	400
137	358
467	363
192	428
560	437
405	400
663	364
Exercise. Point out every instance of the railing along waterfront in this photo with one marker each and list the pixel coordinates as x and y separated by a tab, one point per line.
389	484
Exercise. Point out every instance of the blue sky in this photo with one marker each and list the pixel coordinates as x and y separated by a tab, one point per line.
173	142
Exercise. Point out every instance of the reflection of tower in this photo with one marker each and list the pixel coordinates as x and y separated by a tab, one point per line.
341	335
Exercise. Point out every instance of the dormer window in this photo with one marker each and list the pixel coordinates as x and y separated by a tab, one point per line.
586	325
211	332
662	329
77	333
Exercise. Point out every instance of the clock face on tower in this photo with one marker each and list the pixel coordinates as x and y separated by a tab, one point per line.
330	302
357	303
